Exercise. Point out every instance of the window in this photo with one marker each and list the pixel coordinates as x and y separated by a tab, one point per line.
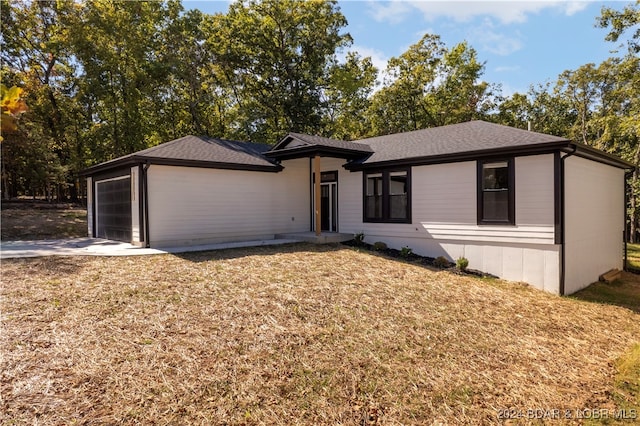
496	192
387	196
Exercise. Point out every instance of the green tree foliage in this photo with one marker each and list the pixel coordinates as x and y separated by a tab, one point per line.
430	85
276	56
105	78
36	56
118	46
347	95
618	22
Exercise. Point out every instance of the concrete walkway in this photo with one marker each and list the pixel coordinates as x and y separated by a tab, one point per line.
100	247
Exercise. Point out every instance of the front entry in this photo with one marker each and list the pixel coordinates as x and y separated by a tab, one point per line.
329	201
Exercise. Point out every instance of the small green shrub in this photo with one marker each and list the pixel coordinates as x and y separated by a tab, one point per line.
406	252
359	238
462	263
379	246
441	262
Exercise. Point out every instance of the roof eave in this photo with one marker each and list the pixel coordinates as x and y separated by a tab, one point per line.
544	148
110	165
135	159
591	153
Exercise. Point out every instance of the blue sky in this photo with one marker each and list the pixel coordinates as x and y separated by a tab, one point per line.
522	42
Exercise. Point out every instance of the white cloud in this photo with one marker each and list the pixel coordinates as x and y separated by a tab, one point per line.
507	68
506	11
394	11
489	39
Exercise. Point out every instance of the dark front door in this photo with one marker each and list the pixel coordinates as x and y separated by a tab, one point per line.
113	209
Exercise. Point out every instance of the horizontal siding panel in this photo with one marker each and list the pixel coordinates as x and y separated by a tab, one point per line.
444	204
593	240
193	205
535	190
444	193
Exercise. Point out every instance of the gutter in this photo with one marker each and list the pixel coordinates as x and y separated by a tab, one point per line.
146	203
563	221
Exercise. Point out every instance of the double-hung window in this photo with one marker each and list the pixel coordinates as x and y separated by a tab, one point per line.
496	192
387	196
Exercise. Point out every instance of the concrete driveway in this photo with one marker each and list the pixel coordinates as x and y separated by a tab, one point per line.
100	247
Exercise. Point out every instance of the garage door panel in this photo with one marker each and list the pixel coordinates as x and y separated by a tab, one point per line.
113	208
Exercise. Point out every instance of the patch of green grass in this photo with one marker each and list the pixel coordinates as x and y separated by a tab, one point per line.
633	256
627	382
623	292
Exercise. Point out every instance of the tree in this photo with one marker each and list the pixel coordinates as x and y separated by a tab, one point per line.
119	48
35	55
619	22
347	95
275	55
430	85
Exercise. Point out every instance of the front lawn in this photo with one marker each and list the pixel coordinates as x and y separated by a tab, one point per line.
297	334
633	256
42	221
623	292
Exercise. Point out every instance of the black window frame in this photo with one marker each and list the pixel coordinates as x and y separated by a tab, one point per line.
386	199
511	196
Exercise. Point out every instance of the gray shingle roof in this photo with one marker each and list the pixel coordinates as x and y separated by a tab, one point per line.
203	148
465	140
453	139
199	151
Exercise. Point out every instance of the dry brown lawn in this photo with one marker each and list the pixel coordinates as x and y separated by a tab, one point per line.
40	222
294	334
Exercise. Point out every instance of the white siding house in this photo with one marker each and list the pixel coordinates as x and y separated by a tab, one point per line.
517	204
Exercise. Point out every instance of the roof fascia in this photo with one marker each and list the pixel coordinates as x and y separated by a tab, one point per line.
594	154
134	160
546	148
113	164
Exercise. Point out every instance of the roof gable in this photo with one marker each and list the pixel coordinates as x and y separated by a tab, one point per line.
297	145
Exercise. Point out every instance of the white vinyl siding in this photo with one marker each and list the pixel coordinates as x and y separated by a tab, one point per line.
594	221
136	236
90	207
189	206
444	220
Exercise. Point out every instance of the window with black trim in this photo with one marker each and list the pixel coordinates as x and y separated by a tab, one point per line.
387	196
496	192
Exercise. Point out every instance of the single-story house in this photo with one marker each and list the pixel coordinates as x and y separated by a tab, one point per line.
521	205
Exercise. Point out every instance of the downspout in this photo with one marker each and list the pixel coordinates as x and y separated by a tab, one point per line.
625	236
311	195
146	204
563	220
